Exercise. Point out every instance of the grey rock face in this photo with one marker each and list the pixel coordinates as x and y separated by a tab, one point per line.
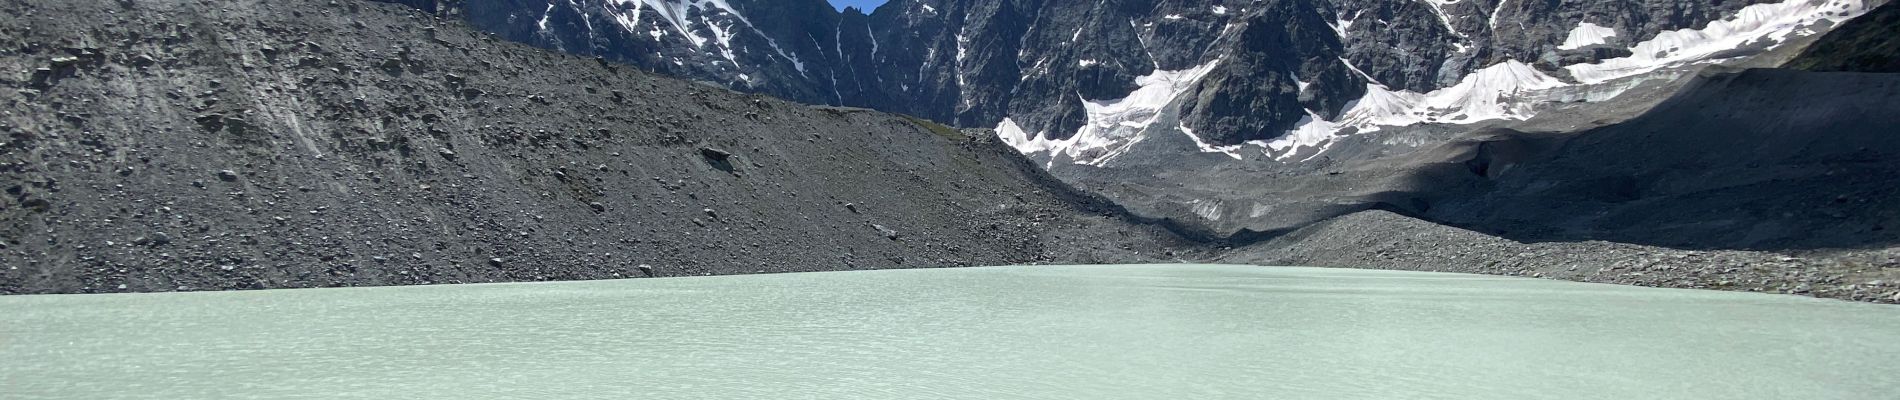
241	144
1284	58
973	63
368	145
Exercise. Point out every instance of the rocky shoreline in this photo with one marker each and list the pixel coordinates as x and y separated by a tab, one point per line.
1384	240
258	144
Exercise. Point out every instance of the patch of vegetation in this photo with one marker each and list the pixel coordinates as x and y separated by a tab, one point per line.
939	129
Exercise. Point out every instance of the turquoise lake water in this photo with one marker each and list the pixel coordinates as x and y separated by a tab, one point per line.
1041	332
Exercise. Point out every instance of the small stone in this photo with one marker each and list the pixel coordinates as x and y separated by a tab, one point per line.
497	261
597	206
710	214
888	232
646	269
227	175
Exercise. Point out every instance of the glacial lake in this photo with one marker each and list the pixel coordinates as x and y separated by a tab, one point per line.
1038	332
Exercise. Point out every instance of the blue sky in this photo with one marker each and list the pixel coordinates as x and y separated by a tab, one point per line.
866	5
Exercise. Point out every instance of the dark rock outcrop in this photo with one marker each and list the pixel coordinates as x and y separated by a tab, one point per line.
1756	159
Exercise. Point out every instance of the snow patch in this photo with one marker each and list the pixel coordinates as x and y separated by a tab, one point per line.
1343	25
1771	21
1209	209
1031	143
1230	151
1258	210
1381	107
1113	125
1438	7
724	37
1586	34
1484	94
873	37
1510	90
543	24
629	21
1501	91
1220	10
679	14
1310	131
1492	20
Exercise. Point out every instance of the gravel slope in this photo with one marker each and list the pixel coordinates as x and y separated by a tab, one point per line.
172	145
1384	240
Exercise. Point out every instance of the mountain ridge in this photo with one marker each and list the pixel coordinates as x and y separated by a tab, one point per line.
1038	65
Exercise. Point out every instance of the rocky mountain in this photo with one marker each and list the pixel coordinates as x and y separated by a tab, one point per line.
158	146
230	144
1129	96
1083	80
1735	162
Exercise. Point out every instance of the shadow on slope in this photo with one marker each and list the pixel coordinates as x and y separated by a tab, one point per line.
1759	159
1869	43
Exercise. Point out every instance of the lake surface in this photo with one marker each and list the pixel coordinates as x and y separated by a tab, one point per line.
1083	332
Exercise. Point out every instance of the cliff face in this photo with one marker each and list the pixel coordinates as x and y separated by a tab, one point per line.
152	146
1168	106
1244	70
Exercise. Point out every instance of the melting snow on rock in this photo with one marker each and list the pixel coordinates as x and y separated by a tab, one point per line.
1504	91
1112	124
